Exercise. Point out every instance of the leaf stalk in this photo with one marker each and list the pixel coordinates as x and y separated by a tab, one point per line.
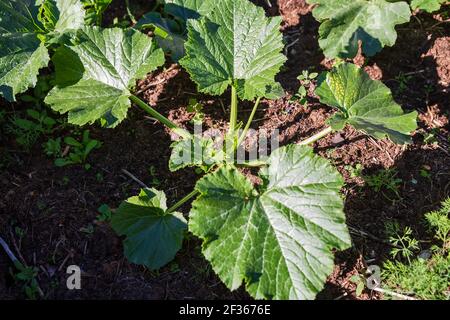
316	137
249	122
182	201
234	110
158	116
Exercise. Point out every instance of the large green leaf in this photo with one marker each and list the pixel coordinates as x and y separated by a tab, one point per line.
236	44
21	51
427	5
279	237
345	22
19	16
365	104
153	237
25	27
97	74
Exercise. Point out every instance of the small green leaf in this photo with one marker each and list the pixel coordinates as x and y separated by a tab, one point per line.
72	142
344	23
365	104
60	162
427	5
279	237
359	288
235	45
90	146
99	73
153	237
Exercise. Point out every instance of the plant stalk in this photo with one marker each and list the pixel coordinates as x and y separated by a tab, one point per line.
316	137
234	110
249	122
158	116
253	163
182	201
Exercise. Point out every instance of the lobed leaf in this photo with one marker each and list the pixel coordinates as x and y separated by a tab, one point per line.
235	45
98	72
21	53
344	23
427	5
277	238
59	16
153	237
365	104
26	26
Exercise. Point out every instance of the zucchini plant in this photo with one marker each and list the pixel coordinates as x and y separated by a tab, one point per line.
277	237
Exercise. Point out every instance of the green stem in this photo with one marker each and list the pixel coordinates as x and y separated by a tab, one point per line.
158	116
249	122
317	136
182	201
253	164
234	109
130	15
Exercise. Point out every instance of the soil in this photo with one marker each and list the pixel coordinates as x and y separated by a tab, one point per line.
56	208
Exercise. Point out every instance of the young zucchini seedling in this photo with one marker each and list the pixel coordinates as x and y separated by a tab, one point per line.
278	237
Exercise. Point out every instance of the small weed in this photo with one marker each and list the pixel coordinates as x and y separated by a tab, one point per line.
360	282
89	229
27	276
355	171
305	79
385	179
428	276
197	108
52	147
402	80
105	213
80	150
153	174
28	130
405	244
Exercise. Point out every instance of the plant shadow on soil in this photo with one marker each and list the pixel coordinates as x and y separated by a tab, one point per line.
55	206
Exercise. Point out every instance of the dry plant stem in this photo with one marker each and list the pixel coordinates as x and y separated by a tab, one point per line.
394	294
134	178
8	251
16	262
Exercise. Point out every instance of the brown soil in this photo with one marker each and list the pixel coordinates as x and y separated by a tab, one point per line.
53	205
